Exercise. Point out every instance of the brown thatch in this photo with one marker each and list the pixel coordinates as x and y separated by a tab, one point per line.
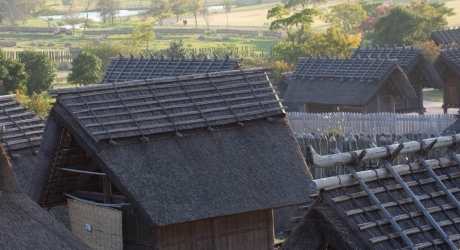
341	81
411	60
213	145
347	218
24	224
129	69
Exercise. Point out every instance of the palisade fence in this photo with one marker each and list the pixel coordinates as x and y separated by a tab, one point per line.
56	55
377	123
330	133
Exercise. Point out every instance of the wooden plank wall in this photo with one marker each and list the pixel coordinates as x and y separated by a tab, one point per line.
377	123
252	230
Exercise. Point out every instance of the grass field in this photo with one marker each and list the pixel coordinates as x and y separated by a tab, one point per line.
434	95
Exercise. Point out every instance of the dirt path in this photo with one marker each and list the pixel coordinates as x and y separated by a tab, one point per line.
436	108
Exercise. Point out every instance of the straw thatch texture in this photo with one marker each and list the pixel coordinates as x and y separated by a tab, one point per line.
367	225
99	227
446	36
143	108
128	69
25	225
411	60
449	59
201	174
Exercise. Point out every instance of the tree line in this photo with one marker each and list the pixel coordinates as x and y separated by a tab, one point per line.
351	23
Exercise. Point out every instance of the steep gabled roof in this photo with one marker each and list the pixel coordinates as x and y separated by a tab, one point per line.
448	59
414	205
446	36
411	61
23	223
179	148
129	69
343	81
21	137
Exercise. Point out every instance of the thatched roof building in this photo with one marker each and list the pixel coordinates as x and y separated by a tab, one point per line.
448	67
184	152
347	85
123	69
446	36
23	223
408	206
21	133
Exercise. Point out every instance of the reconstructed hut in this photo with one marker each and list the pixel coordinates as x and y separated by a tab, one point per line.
123	69
183	162
20	135
419	71
448	67
446	37
359	85
23	223
396	206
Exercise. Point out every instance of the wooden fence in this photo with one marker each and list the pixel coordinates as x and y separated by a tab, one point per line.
351	123
238	32
55	55
331	144
54	30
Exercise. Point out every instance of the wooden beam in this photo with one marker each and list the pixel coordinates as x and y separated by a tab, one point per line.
316	161
96	203
81	171
87	195
85	177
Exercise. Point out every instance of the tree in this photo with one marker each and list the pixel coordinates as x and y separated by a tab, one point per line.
178	7
206	16
41	71
296	26
287	52
160	10
429	50
277	69
408	24
67	3
368	23
12	75
73	20
176	48
346	16
369	7
228	5
333	42
86	4
303	3
47	12
35	103
108	9
194	7
14	10
142	33
86	69
104	51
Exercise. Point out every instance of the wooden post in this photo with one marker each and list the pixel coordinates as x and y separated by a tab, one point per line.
270	229
107	189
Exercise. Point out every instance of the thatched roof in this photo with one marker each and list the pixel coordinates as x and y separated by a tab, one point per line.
179	148
21	137
344	81
347	217
129	69
448	60
24	224
445	36
411	61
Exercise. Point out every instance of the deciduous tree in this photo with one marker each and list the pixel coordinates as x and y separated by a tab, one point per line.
346	16
178	7
206	16
297	26
160	10
14	10
41	71
303	3
228	5
108	9
408	24
333	42
194	7
142	34
12	75
86	69
47	12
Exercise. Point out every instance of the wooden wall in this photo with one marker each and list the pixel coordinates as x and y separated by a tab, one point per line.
252	230
451	92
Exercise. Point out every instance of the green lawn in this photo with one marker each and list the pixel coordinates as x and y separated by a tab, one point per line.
434	95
